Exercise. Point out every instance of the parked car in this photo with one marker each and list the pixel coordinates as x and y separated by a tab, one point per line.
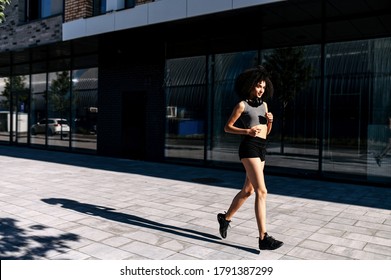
54	126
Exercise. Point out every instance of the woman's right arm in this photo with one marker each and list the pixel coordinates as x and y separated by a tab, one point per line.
230	127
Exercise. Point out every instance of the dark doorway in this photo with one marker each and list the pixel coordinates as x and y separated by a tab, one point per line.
133	124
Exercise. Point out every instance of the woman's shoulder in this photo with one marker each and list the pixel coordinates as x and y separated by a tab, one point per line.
241	104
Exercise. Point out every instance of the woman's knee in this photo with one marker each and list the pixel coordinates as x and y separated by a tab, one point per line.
247	192
261	193
248	188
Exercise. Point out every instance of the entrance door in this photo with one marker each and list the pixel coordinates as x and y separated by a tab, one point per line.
133	125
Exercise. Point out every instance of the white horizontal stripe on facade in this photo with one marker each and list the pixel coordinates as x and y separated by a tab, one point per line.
155	12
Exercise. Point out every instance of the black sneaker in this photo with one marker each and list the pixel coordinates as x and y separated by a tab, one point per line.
224	224
269	243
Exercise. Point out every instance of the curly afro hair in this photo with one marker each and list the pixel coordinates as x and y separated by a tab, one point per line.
248	79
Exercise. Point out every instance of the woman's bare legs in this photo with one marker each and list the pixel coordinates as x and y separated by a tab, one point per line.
254	182
240	198
254	170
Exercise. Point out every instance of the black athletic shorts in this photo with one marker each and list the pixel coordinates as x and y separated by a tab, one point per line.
252	147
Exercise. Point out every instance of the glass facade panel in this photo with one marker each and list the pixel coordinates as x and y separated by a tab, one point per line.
84	108
358	99
295	73
186	108
5	109
37	9
99	7
379	117
20	108
332	102
347	93
14	101
58	120
224	146
349	112
51	113
38	110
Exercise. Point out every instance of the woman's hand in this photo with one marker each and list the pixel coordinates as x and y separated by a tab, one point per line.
269	117
254	131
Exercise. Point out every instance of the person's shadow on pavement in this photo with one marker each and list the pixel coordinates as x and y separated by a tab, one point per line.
108	213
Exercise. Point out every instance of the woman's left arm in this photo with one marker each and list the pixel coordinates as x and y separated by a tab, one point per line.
269	117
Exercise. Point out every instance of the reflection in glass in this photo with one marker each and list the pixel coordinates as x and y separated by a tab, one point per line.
224	146
5	109
347	93
84	109
14	109
295	74
185	90
58	127
350	112
358	79
38	110
20	110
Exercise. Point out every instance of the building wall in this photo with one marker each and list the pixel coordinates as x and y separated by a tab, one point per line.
132	74
75	9
14	34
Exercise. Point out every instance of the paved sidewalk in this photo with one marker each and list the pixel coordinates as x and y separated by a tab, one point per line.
56	205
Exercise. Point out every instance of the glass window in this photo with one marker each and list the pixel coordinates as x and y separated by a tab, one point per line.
358	106
38	110
224	146
293	141
59	85
350	115
37	9
5	95
32	10
20	108
130	3
186	108
51	7
295	73
379	124
14	101
99	7
84	109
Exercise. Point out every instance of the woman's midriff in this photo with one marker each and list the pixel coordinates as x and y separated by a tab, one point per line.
263	131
